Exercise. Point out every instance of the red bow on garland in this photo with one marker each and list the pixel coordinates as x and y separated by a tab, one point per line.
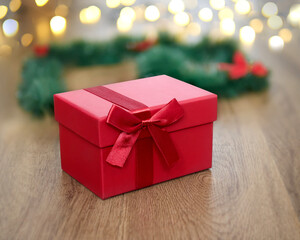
41	50
239	68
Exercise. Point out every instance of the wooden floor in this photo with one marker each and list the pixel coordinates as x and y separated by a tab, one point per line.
252	191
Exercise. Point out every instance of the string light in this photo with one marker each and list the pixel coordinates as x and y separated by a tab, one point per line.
3	11
127	2
294	15
124	23
227	26
286	35
242	7
225	13
62	10
26	39
247	35
152	13
58	25
90	15
194	29
217	4
176	6
269	9
10	27
41	3
257	25
205	14
276	43
128	12
182	19
275	22
14	5
113	3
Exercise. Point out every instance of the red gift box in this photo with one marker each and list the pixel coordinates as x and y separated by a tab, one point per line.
125	136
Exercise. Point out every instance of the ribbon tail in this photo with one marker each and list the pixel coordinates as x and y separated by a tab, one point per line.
164	144
122	148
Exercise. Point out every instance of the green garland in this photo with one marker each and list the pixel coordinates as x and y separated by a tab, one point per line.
196	64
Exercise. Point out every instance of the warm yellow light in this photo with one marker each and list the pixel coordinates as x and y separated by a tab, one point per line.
194	29
5	50
269	9
42	31
227	27
247	35
182	19
124	24
41	3
62	10
90	15
294	15
127	2
3	11
112	3
26	39
257	25
139	12
275	22
286	35
14	5
152	13
242	7
128	12
225	13
276	43
176	6
205	14
58	25
10	27
217	4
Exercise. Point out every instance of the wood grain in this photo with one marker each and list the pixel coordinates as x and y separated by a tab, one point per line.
252	191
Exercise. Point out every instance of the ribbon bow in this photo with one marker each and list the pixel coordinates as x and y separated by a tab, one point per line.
131	127
239	68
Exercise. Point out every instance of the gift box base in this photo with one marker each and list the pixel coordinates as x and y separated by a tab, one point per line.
86	163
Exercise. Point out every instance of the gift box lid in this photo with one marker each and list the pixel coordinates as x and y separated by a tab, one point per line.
85	113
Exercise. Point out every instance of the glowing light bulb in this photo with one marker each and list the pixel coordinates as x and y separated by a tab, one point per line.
286	35
217	4
176	6
152	13
275	22
112	3
247	35
227	26
10	27
194	29
128	12
225	13
61	10
269	9
90	15
26	39
257	25
58	25
3	11
127	2
276	43
14	5
124	23
242	7
294	15
205	14
182	19
41	3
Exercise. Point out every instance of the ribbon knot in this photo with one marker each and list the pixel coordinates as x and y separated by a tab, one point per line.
131	127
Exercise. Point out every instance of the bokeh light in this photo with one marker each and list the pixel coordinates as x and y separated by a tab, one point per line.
294	15
247	35
152	13
124	23
275	22
127	2
276	43
128	12
176	6
90	15
10	27
242	7
41	3
58	25
217	4
269	9
113	3
42	31
26	39
194	29
205	14
14	5
227	26
286	35
3	11
257	25
182	19
225	13
61	10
